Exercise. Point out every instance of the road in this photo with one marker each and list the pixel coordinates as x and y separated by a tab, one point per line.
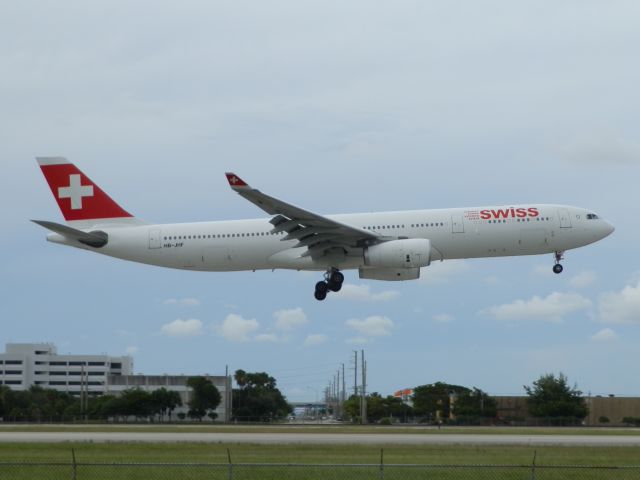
325	438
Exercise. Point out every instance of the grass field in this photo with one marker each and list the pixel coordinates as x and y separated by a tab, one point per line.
202	453
247	453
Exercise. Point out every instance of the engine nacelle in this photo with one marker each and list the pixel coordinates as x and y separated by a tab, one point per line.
409	253
390	274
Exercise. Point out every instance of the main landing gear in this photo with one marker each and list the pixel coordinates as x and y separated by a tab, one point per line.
332	282
557	268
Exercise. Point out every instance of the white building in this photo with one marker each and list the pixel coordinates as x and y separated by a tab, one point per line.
27	364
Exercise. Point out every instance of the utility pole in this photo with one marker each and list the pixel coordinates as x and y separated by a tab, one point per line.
343	396
355	374
333	394
338	402
363	405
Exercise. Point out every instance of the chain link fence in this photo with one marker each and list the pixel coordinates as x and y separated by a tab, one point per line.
220	471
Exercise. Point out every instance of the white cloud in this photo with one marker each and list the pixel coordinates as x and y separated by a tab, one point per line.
440	273
290	319
374	326
182	328
604	335
621	307
315	339
237	329
363	293
551	308
266	337
443	318
132	350
186	302
583	279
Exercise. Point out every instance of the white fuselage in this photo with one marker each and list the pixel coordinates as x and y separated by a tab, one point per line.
453	234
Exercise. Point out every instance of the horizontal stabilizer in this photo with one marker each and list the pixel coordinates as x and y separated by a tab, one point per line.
94	239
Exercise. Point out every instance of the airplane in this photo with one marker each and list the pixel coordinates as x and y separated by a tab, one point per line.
391	246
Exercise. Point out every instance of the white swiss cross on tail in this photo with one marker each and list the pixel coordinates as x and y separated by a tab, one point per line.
70	187
75	191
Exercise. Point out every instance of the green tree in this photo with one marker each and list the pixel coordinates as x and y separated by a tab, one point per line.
395	407
101	408
205	397
165	401
46	403
430	399
257	398
5	394
378	407
474	404
172	402
351	407
553	398
133	402
37	403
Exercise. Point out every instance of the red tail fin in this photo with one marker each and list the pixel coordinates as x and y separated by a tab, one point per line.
78	197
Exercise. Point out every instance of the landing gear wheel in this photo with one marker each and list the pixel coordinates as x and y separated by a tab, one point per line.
559	255
336	277
334	280
321	290
332	283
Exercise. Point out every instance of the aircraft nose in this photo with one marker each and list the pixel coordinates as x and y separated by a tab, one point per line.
608	229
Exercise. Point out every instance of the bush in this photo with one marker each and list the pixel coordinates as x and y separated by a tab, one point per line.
385	421
603	419
635	421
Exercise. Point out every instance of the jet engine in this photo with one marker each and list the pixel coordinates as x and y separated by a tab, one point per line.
408	253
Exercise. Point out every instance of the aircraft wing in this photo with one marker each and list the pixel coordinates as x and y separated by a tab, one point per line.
316	232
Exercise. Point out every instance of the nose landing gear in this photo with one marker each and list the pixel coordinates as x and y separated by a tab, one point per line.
557	268
332	282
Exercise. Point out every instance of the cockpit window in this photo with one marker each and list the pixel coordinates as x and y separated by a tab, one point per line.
592	216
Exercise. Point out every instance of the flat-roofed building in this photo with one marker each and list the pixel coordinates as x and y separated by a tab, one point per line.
603	410
25	364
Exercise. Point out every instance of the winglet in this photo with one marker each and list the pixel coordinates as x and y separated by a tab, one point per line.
235	181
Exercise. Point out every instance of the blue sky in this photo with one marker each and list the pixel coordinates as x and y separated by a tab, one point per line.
337	108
